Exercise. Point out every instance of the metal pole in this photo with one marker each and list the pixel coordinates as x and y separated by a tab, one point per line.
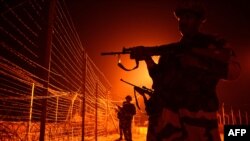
246	119
107	113
219	116
31	107
96	112
240	118
45	45
232	116
223	114
57	100
84	67
72	106
57	103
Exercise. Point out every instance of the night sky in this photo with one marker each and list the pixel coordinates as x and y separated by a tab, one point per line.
110	25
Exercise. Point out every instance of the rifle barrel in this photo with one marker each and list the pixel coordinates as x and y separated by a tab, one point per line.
115	53
128	82
145	89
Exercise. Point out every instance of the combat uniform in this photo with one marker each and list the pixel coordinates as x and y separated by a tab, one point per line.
185	102
129	111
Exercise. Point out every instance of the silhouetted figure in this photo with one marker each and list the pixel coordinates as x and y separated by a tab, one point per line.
185	103
120	116
128	111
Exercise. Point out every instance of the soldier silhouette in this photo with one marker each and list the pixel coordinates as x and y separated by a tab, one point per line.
129	111
120	116
185	102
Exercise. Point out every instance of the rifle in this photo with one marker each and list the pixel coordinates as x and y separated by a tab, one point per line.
140	53
124	51
142	91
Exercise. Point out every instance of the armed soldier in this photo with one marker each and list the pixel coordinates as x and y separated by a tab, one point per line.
184	80
184	104
120	116
129	111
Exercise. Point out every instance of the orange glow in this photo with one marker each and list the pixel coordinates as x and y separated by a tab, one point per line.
122	35
128	26
106	28
139	77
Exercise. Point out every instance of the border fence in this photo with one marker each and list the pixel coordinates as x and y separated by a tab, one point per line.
50	88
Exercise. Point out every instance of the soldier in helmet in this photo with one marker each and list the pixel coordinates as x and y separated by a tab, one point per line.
185	103
128	112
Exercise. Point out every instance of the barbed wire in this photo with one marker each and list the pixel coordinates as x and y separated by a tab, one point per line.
21	68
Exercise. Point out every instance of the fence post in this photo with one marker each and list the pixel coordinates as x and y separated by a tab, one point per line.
31	107
96	112
232	116
107	113
246	119
84	68
223	114
57	100
45	45
240	118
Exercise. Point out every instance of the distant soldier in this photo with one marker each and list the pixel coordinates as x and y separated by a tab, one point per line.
185	103
128	112
120	116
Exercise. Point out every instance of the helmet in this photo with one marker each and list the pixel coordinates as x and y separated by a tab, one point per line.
190	7
128	97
